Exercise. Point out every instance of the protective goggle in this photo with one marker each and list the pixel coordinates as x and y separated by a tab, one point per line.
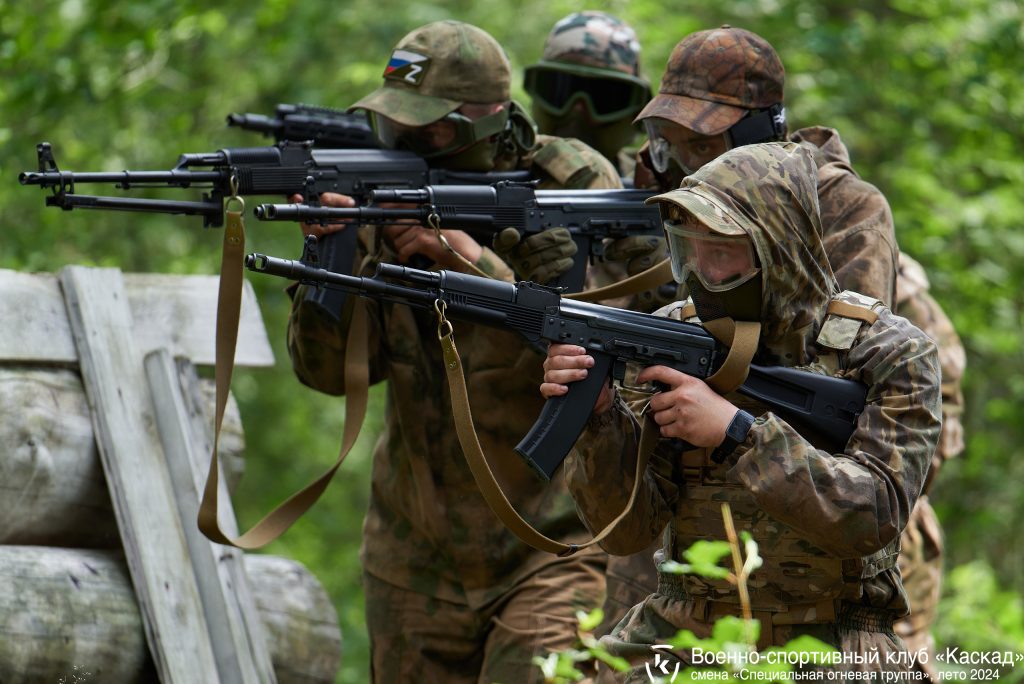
663	153
759	125
607	99
720	262
448	134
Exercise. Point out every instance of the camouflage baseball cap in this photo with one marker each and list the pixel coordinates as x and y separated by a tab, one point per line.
713	78
593	40
701	203
438	68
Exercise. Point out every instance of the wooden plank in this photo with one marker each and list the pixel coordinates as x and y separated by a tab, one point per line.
180	312
67	612
237	635
137	476
34	319
173	311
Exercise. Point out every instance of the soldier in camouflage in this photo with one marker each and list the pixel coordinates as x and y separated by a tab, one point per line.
922	552
743	70
588	84
745	235
451	595
723	88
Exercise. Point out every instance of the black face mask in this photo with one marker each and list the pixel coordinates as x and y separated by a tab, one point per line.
742	303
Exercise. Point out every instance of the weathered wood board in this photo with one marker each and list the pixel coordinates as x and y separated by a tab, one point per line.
176	312
137	476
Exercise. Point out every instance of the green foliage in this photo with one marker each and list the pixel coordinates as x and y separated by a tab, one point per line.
976	614
732	637
927	94
703	559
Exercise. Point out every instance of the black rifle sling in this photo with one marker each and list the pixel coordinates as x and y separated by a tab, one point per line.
229	301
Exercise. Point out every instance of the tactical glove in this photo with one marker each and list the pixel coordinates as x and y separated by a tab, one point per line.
540	258
641	252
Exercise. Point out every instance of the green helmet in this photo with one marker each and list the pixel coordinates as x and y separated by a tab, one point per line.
588	48
587	84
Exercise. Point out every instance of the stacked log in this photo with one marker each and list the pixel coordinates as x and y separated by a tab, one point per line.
68	611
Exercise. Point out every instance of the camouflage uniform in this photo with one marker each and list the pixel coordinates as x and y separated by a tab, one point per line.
922	544
827	524
856	221
598	48
451	595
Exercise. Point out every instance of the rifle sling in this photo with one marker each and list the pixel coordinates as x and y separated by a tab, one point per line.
651	279
741	337
484	476
229	301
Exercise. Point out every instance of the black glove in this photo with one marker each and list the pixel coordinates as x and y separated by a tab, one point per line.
540	258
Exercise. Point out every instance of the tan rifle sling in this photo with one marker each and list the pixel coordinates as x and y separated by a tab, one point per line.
229	301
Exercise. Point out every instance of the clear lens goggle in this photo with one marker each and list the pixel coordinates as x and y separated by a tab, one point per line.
607	99
661	151
448	134
720	262
761	125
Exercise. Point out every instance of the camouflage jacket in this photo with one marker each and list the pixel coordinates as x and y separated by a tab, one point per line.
856	221
915	303
428	529
796	499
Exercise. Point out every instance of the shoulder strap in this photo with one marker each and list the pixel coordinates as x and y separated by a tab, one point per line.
229	299
846	314
484	476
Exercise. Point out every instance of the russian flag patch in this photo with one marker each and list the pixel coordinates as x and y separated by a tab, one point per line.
406	66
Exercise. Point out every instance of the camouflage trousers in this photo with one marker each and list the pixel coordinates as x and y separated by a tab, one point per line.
921	569
418	638
659	617
630	579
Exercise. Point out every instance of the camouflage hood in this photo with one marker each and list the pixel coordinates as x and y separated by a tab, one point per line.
769	192
826	146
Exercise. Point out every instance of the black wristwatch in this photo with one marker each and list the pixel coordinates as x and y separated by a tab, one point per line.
735	435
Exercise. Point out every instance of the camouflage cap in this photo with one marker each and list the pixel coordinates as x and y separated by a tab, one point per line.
438	68
692	200
713	78
593	40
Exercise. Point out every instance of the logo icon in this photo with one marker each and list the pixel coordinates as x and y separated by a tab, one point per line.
406	66
659	669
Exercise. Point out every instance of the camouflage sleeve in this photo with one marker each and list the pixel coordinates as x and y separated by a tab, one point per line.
600	474
922	310
567	163
853	503
317	342
494	266
859	236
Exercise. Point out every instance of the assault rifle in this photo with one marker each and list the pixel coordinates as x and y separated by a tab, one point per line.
282	169
324	127
818	405
591	216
